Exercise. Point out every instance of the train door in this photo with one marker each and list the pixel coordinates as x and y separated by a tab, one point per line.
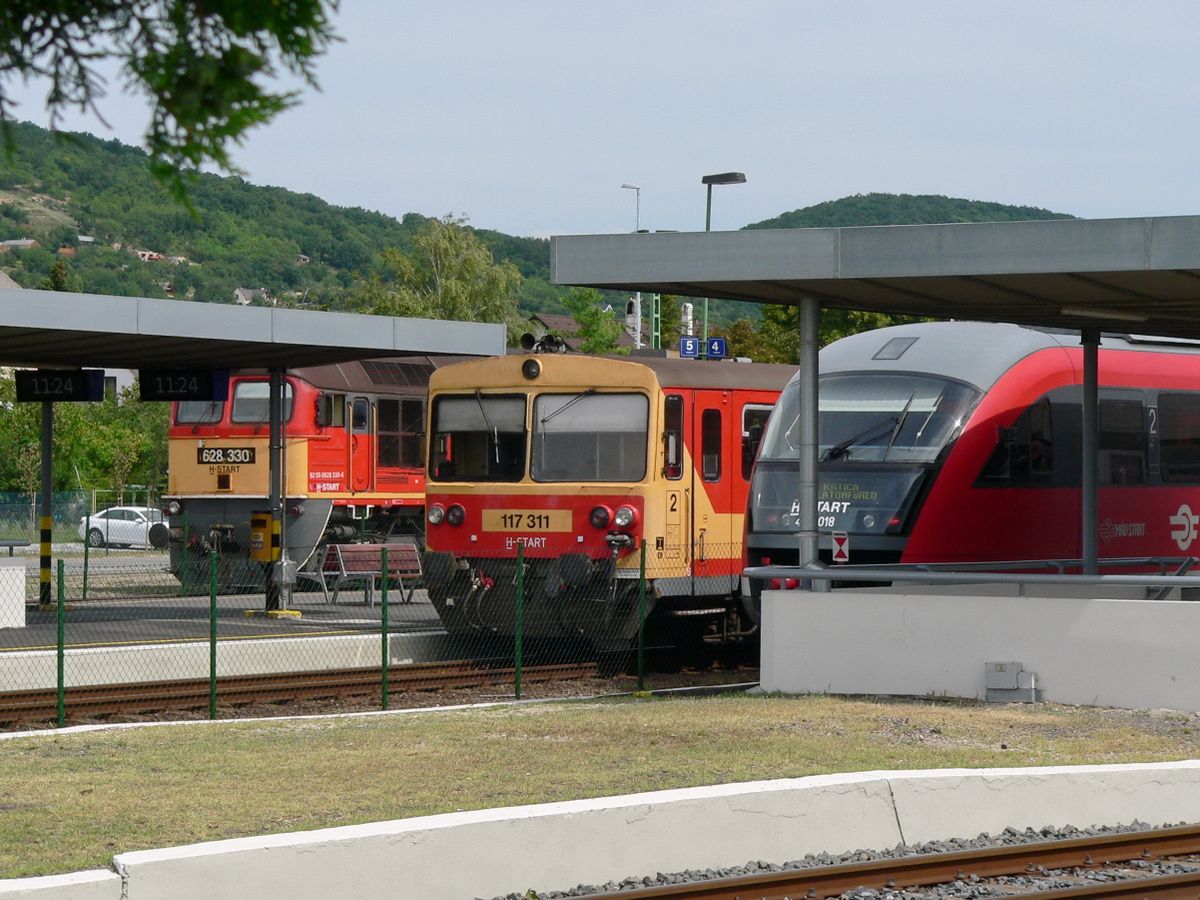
361	455
712	487
674	547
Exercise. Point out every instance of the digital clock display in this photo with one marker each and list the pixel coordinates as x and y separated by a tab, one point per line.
35	385
183	384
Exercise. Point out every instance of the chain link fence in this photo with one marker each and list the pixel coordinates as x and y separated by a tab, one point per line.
127	631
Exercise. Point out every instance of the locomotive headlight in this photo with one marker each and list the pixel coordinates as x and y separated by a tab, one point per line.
868	521
455	514
625	517
174	508
600	516
436	514
531	369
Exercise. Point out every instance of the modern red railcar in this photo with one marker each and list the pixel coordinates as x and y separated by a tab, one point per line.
959	442
353	463
579	459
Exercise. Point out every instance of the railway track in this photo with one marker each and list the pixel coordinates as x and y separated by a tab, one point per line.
1133	861
22	707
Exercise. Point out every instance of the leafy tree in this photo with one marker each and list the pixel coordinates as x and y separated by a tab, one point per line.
203	64
61	278
598	328
448	274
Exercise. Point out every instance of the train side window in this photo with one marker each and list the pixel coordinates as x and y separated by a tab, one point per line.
1024	452
1179	441
710	444
1122	446
673	437
754	420
400	424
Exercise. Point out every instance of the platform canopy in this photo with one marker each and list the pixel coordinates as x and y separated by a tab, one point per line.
50	329
1132	275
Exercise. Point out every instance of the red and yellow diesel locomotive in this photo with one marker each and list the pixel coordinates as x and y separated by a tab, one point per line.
580	459
353	463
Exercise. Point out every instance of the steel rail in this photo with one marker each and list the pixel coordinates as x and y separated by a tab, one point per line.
941	868
143	697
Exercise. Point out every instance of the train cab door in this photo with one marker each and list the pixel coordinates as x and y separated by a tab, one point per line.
715	556
674	546
362	424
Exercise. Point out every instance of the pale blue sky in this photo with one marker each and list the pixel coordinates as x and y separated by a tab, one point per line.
527	116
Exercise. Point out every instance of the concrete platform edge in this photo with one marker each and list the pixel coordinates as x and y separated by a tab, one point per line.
559	845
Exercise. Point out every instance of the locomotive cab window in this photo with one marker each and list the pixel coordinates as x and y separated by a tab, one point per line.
199	412
331	410
478	437
360	415
251	402
589	437
754	420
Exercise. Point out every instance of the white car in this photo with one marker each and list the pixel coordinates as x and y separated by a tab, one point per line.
124	526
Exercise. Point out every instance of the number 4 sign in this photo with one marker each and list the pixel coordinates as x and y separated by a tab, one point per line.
841	547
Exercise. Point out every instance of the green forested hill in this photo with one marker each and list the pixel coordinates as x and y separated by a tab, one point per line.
245	235
902	209
296	246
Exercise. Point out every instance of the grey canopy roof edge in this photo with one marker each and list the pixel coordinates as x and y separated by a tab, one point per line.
55	329
1136	274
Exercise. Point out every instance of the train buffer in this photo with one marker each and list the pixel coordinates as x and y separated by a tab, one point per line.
343	564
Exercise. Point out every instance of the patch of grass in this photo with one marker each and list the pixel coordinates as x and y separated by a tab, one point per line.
71	801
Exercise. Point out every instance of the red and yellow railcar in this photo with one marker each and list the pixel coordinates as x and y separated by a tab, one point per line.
580	460
353	461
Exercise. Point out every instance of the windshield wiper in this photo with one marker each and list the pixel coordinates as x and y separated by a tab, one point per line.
899	424
488	422
203	418
567	405
842	446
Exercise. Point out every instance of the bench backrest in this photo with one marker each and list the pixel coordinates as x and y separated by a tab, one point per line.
363	559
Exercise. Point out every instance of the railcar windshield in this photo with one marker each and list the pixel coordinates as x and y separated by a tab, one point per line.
589	437
478	437
874	417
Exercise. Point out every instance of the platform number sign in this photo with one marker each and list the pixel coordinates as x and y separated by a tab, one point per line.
689	347
716	348
841	547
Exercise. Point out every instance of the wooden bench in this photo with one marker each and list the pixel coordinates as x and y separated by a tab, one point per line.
346	563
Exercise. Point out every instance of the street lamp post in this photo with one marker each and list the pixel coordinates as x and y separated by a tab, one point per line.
710	180
637	297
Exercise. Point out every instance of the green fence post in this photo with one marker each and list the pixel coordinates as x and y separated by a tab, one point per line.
519	649
383	600
212	634
86	554
641	662
62	646
183	558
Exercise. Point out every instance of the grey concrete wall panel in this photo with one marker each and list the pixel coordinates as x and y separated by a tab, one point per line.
50	328
1139	274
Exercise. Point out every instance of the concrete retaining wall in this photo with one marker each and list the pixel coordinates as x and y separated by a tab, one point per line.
25	670
558	845
1126	653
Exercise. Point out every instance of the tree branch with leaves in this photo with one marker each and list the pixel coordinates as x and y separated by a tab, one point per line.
205	66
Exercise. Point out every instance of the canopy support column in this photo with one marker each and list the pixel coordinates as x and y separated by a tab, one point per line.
810	342
1090	338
